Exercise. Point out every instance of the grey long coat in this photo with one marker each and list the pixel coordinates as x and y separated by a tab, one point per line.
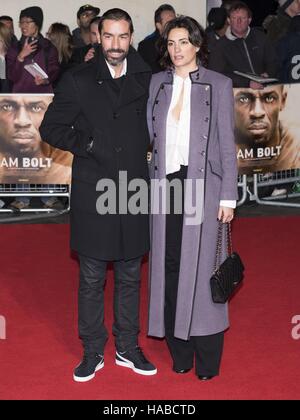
212	157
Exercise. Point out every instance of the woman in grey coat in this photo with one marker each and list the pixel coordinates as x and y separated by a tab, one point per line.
190	118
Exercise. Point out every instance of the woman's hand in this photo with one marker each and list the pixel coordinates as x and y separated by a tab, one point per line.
40	81
226	214
27	49
89	55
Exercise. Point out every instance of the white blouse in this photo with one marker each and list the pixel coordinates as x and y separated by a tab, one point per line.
178	129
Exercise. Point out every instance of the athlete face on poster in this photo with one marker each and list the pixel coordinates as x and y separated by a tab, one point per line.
20	118
257	115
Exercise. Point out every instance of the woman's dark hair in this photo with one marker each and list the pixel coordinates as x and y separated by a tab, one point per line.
116	14
196	37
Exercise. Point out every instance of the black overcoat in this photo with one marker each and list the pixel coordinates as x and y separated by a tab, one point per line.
106	134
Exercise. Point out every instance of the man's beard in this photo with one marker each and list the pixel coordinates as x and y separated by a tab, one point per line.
115	61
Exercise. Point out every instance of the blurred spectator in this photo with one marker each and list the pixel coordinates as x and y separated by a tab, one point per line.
32	47
5	39
277	26
244	49
60	36
81	35
227	4
288	48
87	52
148	48
8	21
217	26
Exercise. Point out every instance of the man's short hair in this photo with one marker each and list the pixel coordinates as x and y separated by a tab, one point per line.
4	17
240	5
116	14
96	20
217	18
160	10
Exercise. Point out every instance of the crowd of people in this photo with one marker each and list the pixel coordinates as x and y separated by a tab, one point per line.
180	80
233	44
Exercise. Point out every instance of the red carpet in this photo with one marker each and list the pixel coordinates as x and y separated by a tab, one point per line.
38	292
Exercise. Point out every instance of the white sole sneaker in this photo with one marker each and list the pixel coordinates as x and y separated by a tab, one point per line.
88	378
127	363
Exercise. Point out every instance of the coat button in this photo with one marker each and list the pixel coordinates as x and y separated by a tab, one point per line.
155	151
206	119
153	118
162	86
204	137
203	154
201	170
207	103
156	168
157	101
155	135
118	149
90	144
207	87
100	82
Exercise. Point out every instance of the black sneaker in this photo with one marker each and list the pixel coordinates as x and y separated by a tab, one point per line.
135	360
91	363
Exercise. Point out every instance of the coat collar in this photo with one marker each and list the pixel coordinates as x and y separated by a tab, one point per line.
195	76
135	64
132	88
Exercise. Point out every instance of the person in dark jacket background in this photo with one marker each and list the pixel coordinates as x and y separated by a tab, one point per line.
244	49
277	26
288	49
217	26
81	35
32	47
148	48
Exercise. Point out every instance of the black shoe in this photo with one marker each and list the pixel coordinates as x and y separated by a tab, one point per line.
181	371
91	363
135	360
205	378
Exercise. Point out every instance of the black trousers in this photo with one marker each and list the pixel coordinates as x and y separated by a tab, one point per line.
91	326
206	350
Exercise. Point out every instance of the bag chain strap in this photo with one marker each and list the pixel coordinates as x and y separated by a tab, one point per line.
219	243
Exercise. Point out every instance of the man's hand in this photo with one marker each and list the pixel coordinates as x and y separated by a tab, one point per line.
225	214
89	55
27	49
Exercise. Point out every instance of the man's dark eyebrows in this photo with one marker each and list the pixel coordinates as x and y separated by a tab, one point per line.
181	39
245	94
35	103
108	33
270	93
8	102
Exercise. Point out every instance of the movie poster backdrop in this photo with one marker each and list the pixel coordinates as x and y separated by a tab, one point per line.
24	157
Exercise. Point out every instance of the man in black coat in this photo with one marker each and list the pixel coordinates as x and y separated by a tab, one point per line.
99	114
